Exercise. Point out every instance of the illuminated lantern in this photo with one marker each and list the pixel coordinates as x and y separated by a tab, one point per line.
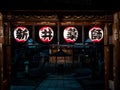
21	34
46	34
70	34
96	34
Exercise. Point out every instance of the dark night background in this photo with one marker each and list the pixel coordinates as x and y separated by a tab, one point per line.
59	4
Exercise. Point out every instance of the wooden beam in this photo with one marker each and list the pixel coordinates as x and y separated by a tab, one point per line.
7	50
106	57
1	51
55	17
1	65
8	65
115	50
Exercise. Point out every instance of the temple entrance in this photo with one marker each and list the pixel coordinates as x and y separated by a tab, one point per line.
34	63
35	58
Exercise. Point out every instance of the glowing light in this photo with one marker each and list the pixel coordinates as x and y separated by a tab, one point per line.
46	34
21	34
96	34
70	34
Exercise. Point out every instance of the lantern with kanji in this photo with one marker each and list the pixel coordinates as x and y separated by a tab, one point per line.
70	34
96	34
46	34
21	34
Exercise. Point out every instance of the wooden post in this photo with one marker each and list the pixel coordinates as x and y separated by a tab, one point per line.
58	32
1	51
7	52
106	57
83	34
8	66
5	55
33	32
115	50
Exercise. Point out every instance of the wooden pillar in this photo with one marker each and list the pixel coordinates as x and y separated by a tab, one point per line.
7	60
5	55
106	57
1	51
115	49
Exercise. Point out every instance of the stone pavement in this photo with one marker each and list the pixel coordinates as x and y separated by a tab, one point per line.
54	82
60	82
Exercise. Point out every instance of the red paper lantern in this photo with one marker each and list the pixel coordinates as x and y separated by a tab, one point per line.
21	34
46	34
70	34
96	34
